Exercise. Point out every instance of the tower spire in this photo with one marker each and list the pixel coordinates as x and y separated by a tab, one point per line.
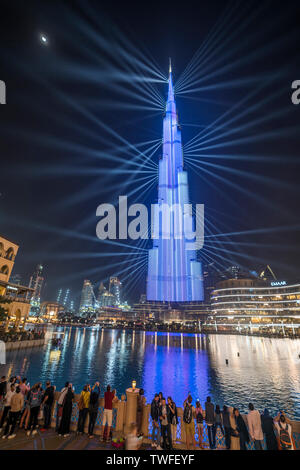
170	66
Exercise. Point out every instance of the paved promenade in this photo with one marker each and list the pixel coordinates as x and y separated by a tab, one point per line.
50	440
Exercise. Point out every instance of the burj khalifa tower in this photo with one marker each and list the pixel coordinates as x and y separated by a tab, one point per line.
174	274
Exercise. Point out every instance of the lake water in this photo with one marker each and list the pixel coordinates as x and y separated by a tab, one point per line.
266	372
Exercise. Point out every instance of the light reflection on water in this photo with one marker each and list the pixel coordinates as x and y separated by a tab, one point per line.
266	372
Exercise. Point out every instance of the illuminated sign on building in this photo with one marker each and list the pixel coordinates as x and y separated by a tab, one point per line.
278	283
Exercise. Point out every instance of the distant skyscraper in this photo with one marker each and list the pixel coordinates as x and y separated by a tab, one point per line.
174	274
59	296
101	291
66	299
115	288
63	298
107	300
36	283
87	301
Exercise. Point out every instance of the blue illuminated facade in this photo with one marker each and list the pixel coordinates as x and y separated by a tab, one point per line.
174	274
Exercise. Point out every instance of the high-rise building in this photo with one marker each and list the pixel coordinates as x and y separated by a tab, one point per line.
36	283
87	301
66	299
174	274
107	300
59	296
255	305
115	288
101	291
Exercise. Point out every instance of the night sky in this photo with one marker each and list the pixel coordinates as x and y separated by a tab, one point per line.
65	101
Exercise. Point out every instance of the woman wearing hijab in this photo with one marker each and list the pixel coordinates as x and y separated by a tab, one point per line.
268	430
242	429
64	428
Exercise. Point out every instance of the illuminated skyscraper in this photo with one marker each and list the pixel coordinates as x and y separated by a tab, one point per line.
59	295
36	283
115	288
174	274
87	300
66	299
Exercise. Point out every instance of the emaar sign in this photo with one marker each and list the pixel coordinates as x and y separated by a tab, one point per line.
278	283
2	92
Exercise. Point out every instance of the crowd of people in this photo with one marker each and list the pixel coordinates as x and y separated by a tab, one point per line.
22	335
23	406
236	429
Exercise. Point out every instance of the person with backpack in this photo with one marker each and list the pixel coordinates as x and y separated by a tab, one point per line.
83	406
218	421
199	413
25	415
188	419
34	401
155	420
93	408
47	403
284	432
210	422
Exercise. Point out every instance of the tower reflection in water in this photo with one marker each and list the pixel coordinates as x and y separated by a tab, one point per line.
262	370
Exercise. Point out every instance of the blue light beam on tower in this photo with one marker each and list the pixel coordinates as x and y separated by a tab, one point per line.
174	274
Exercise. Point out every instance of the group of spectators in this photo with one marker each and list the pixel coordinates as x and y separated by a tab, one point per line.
23	406
24	335
237	430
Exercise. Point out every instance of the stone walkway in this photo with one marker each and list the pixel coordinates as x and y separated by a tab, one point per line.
50	440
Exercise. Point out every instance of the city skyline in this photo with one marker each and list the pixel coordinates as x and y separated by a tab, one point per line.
240	143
